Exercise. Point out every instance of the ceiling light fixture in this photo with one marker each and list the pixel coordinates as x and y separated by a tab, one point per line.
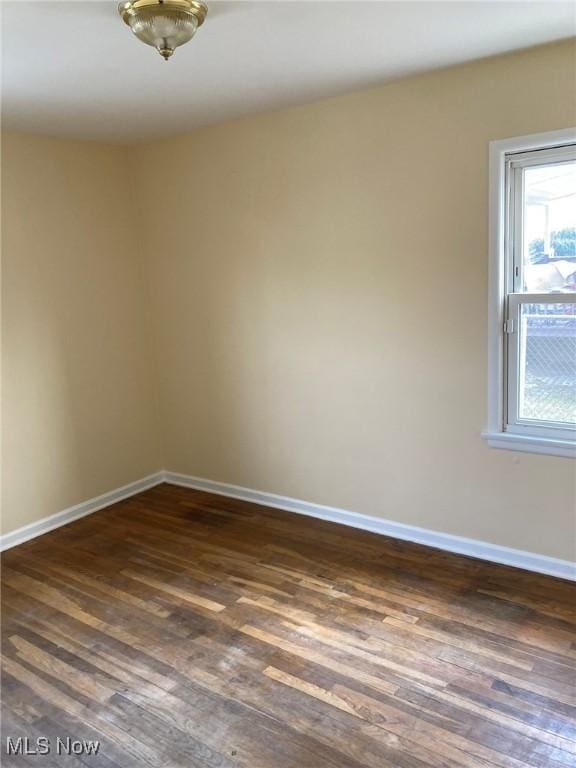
165	24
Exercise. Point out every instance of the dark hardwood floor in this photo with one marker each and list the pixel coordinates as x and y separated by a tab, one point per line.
180	628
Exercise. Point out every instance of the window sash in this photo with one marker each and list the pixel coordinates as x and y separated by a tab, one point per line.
516	163
513	422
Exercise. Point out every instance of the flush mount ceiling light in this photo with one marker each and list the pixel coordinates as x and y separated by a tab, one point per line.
165	24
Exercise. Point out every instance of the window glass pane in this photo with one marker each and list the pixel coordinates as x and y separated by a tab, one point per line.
549	222
547	370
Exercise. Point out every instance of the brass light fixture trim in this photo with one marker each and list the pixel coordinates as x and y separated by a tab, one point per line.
164	24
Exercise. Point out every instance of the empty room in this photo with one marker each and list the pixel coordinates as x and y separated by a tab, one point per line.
288	384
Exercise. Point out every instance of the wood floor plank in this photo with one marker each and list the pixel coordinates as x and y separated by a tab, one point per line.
185	629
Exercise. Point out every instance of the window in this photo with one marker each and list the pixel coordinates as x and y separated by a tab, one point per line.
532	327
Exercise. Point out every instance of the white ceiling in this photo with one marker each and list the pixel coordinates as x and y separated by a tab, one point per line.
74	69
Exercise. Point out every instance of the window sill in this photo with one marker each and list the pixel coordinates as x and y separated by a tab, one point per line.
511	442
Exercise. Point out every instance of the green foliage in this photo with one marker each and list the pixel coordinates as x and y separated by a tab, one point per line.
562	245
536	250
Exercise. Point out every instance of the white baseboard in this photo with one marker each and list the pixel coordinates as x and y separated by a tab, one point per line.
20	535
483	550
529	561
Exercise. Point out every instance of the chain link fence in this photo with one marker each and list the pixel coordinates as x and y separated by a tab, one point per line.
549	392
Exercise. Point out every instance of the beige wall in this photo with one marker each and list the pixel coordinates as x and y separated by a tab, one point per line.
318	278
316	291
78	410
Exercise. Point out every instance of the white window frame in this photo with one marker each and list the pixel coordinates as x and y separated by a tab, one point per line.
528	438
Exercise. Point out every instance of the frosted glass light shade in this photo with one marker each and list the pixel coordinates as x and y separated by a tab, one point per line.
163	24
